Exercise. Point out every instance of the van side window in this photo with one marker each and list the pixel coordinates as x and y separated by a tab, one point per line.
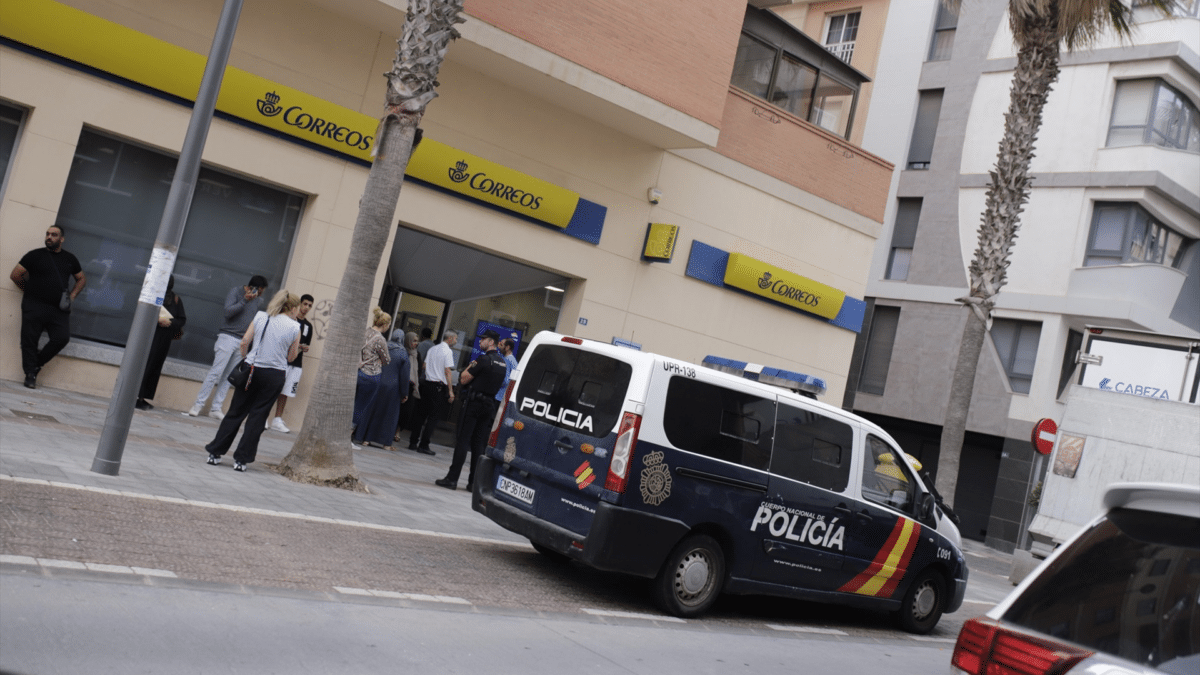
812	448
886	480
590	387
720	423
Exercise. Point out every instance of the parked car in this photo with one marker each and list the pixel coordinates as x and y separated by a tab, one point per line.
1122	597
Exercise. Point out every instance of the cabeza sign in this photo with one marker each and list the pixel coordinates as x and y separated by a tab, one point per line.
787	288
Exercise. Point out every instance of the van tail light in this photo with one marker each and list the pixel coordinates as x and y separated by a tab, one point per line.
987	648
500	415
618	468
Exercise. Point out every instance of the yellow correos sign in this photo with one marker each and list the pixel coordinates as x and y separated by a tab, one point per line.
78	36
765	280
475	177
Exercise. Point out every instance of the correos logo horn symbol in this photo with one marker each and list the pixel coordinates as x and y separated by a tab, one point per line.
268	105
765	282
459	173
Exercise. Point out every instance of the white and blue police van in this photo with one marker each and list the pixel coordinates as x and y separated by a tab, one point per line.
709	482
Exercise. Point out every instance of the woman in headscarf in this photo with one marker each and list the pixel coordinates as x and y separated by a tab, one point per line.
370	366
377	425
169	328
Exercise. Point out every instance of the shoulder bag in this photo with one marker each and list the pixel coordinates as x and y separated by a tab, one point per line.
243	372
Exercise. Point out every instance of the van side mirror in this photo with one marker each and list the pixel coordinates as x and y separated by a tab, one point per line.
925	506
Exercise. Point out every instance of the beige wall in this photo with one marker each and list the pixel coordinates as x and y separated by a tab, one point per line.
654	304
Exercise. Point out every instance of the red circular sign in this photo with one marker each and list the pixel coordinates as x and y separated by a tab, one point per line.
1043	436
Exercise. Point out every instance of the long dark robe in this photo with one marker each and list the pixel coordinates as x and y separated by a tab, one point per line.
378	422
160	344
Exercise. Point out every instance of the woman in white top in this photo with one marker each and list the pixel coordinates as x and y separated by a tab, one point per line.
271	340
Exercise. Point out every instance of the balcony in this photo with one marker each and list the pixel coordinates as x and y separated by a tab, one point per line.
1141	294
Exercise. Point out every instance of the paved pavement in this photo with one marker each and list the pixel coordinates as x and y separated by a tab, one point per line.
48	439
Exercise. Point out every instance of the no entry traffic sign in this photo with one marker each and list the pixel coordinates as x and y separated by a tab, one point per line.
1044	433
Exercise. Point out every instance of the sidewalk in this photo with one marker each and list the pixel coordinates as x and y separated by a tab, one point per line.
52	435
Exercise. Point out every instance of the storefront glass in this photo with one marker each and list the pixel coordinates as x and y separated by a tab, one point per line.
111	210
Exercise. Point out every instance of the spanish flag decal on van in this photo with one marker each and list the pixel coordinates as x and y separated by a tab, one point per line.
883	574
584	475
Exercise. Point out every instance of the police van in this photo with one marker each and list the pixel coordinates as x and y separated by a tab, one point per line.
709	483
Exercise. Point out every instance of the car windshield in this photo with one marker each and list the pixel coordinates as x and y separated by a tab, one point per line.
1128	587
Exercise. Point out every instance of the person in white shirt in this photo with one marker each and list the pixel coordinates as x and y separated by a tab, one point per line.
272	340
437	394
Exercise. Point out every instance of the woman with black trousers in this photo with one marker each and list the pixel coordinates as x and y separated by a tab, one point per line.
167	331
271	341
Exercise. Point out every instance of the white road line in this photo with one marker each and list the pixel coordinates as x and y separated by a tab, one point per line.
94	567
631	615
922	638
807	629
267	512
447	599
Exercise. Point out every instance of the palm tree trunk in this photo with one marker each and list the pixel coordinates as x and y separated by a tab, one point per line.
1008	191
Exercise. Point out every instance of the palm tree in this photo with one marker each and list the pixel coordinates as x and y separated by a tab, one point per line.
322	452
1039	27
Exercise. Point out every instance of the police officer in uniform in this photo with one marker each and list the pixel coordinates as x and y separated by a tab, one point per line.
484	378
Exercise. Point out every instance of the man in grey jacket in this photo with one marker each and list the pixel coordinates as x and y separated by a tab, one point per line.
241	305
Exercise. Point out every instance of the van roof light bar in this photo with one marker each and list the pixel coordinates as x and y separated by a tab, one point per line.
805	384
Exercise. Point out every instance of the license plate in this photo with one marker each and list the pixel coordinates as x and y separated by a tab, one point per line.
515	490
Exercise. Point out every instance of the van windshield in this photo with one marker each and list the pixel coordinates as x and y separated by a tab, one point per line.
574	389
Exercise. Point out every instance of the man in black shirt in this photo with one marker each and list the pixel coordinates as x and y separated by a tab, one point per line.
484	378
44	276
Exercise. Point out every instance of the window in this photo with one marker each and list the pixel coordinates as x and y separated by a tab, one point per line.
111	209
572	379
878	356
1074	344
1017	343
904	235
1151	112
789	82
10	127
886	479
720	423
944	28
929	108
1127	233
840	34
812	448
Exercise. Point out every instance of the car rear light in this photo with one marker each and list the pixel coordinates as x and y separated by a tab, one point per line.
618	467
986	648
500	415
573	340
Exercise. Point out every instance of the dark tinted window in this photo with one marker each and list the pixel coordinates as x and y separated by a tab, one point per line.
1128	587
812	448
565	378
719	422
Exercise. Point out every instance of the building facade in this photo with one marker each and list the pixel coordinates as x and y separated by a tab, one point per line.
562	131
1108	237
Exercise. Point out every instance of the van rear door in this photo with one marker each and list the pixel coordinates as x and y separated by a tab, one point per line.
558	433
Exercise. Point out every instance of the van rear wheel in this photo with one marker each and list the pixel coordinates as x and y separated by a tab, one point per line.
691	578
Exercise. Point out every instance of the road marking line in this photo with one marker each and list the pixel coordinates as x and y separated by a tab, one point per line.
807	629
921	638
631	615
267	512
446	599
94	567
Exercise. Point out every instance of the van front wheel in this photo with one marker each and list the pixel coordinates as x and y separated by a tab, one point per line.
691	578
923	603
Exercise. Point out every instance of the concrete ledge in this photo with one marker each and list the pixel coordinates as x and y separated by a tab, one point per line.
96	352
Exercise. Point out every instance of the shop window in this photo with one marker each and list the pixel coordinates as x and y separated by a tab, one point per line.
718	422
111	210
841	31
812	448
1017	343
11	119
1151	112
886	479
1074	344
920	149
944	28
799	87
1127	233
904	235
878	356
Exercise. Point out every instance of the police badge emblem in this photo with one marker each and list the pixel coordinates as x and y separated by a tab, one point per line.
510	450
656	479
